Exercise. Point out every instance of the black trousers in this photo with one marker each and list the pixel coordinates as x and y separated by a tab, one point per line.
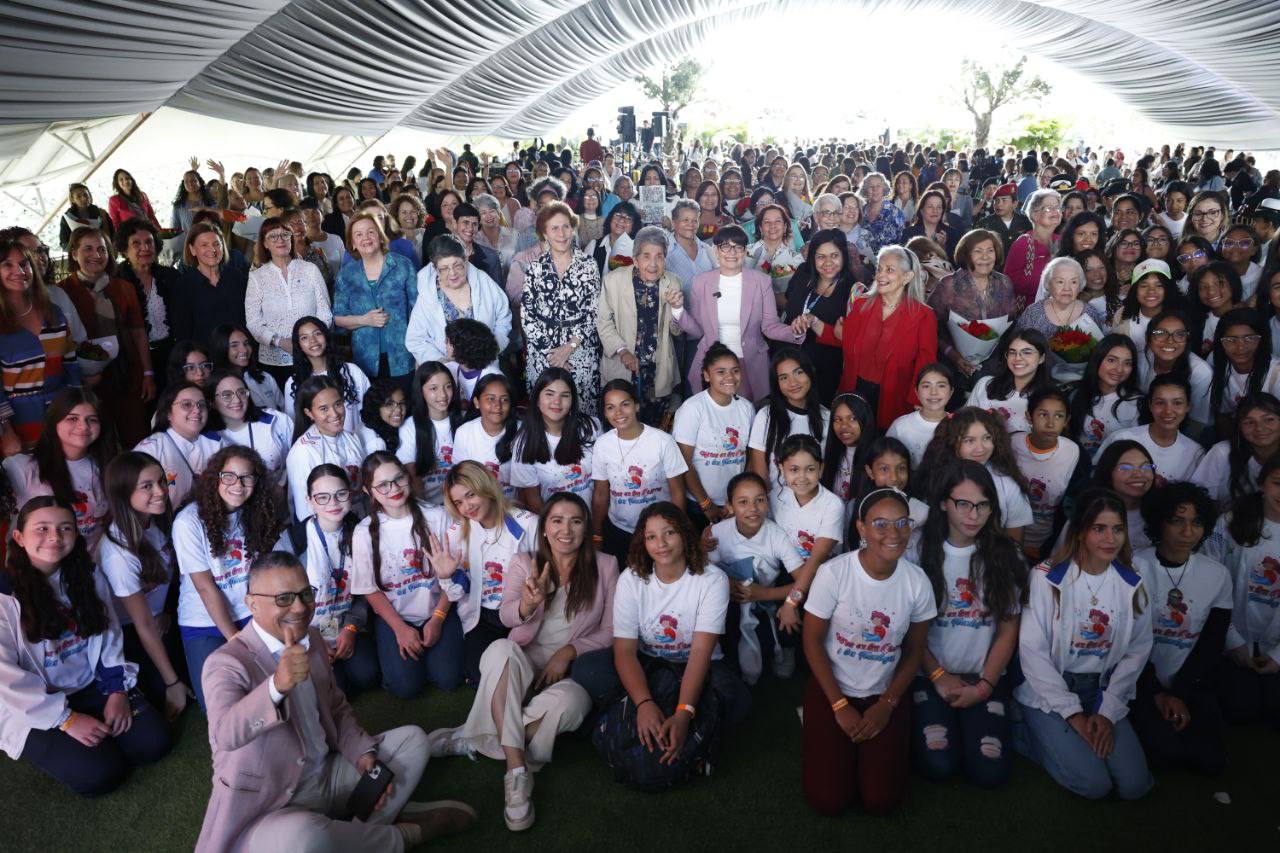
92	771
488	629
1200	747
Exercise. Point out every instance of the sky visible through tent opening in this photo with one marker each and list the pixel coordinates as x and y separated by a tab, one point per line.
787	76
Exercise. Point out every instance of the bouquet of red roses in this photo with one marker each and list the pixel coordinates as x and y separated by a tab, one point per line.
619	261
980	330
1072	345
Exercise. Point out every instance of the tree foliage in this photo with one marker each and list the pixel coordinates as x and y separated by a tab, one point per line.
675	87
1040	135
988	89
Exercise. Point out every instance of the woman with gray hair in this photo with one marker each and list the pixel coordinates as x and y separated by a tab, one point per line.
636	327
1062	280
826	214
887	336
881	218
1029	254
493	234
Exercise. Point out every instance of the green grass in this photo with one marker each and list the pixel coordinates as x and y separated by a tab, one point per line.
752	802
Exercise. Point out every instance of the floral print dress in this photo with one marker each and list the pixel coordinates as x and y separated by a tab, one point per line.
555	311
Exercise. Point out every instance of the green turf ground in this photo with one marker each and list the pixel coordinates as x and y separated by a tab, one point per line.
753	801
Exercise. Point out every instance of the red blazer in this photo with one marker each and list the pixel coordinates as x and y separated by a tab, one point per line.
908	341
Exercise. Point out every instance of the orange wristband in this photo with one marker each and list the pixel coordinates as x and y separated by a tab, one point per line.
66	724
443	615
693	712
937	673
843	703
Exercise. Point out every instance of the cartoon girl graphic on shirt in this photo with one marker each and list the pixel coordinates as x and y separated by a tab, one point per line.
1175	610
635	476
1094	431
413	562
732	439
232	562
878	629
1095	628
964	597
1265	573
574	477
666	629
491	584
804	544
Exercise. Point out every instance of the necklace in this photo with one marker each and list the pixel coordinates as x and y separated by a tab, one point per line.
30	307
1093	593
1177	585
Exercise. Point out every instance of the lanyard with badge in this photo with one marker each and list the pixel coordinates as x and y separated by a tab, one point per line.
339	574
181	456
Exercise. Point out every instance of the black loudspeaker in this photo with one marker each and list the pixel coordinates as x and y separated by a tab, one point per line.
660	125
627	124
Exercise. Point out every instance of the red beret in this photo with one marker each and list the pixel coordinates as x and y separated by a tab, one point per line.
1010	190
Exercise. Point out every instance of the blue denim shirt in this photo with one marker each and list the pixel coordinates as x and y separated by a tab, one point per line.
395	292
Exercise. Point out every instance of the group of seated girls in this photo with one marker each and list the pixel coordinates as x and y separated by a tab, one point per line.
573	567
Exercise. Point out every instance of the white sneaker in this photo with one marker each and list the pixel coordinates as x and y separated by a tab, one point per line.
517	788
784	663
445	742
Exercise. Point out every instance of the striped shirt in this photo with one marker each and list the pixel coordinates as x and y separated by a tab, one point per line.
34	369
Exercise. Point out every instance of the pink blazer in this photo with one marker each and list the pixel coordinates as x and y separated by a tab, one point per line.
591	629
759	321
257	747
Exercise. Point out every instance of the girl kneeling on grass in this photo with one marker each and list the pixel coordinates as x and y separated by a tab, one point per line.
68	702
558	604
419	636
668	615
1084	639
752	549
865	625
979	581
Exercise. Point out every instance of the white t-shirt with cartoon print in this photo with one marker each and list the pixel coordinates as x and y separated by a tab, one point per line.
1181	599
868	619
821	518
1174	464
718	435
471	442
1013	408
408	581
551	477
637	471
915	432
1048	474
663	617
230	571
799	426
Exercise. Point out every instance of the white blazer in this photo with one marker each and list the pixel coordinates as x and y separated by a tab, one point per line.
425	335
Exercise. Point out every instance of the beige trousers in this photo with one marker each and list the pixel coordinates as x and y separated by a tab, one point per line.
530	725
305	825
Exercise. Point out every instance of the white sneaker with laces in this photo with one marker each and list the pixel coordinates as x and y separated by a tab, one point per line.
445	742
517	788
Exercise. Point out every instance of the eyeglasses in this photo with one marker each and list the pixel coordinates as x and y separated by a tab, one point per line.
286	599
230	478
192	367
394	404
970	507
1197	255
1247	340
1177	335
731	249
1206	214
1246	243
1157	241
1145	468
1129	244
884	524
232	396
385	487
323	498
279	236
193	405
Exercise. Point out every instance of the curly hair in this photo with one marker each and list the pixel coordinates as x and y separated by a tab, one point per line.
375	398
43	617
638	559
945	446
1161	504
258	516
473	343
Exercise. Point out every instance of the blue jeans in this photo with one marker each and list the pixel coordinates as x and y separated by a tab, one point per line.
360	671
1049	740
440	665
947	740
596	673
197	648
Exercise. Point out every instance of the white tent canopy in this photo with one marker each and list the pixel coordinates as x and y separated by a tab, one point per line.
515	68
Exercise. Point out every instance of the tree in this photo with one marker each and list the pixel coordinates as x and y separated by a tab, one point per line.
1040	135
676	88
987	90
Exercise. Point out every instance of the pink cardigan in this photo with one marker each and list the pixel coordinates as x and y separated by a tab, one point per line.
759	321
591	629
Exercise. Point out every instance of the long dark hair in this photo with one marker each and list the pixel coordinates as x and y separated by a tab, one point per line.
425	461
216	422
421	532
305	395
1105	468
577	434
834	450
1067	245
220	342
945	446
807	273
585	576
877	447
333	366
121	481
1221	365
503	449
1002	385
1240	479
258	516
380	392
43	617
1172	298
996	566
1089	392
349	521
1248	513
1199	313
638	559
51	461
780	410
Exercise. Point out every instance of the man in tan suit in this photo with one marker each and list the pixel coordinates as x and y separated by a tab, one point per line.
287	750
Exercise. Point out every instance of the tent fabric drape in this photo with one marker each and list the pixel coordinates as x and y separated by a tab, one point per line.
516	68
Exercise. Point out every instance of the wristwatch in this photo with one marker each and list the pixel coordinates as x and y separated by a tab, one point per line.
796	597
